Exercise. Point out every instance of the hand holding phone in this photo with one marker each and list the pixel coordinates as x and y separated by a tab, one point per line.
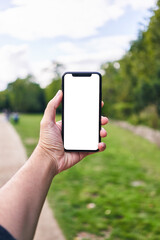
51	142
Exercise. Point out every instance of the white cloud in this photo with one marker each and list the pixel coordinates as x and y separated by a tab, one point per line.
34	19
92	53
43	72
136	4
13	63
89	55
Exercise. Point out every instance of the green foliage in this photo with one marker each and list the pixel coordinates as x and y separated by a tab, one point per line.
122	182
26	96
148	116
52	89
137	82
122	109
55	85
4	100
23	95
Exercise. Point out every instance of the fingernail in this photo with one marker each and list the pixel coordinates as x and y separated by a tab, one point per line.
103	145
58	93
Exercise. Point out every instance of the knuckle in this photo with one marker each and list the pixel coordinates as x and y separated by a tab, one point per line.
49	103
45	124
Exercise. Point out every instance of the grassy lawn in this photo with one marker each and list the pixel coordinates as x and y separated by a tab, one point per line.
110	195
28	129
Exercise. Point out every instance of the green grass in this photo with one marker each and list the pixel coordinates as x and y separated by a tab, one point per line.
122	211
28	129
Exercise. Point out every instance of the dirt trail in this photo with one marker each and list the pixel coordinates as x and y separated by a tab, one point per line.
12	157
143	131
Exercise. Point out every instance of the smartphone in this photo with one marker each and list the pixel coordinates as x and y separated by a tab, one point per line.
81	111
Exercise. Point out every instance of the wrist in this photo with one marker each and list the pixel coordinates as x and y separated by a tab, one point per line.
45	160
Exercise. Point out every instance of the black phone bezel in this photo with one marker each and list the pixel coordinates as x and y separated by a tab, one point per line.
76	74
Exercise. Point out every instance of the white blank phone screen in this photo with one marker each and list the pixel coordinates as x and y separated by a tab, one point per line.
81	112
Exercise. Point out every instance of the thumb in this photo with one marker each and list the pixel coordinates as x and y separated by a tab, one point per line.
50	112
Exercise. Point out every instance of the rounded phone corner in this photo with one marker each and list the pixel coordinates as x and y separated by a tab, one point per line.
97	150
98	73
65	150
64	74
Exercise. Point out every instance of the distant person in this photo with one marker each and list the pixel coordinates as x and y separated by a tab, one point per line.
22	197
7	114
16	117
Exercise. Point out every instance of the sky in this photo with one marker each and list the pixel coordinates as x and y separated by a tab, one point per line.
81	34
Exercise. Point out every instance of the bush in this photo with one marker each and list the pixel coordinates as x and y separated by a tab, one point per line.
122	110
148	116
134	119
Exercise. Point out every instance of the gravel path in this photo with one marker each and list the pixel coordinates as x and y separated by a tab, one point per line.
143	131
12	157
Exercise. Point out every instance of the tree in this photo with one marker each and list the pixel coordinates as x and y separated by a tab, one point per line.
136	84
26	96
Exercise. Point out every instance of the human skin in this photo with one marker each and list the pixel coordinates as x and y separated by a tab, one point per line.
22	197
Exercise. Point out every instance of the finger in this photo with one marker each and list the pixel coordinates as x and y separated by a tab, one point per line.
53	104
104	120
102	103
103	132
85	154
101	146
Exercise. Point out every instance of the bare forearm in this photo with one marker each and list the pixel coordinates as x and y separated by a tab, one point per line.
22	198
